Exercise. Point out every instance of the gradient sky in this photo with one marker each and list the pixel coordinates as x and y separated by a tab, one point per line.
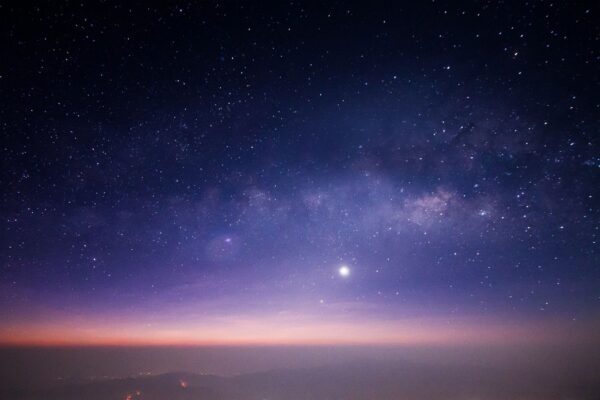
198	174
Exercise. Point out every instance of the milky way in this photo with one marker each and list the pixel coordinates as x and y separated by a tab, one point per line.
299	173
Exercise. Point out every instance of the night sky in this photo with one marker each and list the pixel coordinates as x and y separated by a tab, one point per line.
299	173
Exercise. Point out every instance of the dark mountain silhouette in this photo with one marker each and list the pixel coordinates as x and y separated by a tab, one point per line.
361	379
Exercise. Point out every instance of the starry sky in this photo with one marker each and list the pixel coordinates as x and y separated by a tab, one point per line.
299	172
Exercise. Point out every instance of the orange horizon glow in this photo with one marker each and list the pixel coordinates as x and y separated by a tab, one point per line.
286	332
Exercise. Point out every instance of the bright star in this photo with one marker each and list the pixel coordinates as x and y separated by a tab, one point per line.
344	271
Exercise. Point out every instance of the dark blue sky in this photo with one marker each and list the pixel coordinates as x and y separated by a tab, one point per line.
187	171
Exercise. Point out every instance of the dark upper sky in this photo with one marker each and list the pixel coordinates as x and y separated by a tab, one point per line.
298	172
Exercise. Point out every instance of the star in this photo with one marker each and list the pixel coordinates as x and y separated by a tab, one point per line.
344	271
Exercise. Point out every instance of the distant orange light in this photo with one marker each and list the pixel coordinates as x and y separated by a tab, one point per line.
183	383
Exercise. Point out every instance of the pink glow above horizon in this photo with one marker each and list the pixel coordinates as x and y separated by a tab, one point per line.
280	329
